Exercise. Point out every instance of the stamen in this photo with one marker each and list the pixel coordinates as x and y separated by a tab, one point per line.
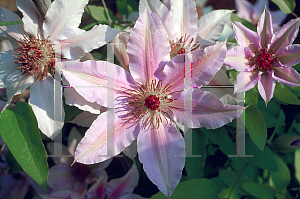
263	60
183	46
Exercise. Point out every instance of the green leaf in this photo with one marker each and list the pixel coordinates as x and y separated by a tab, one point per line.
99	14
12	162
11	23
281	178
285	95
252	96
255	124
20	132
287	6
126	6
193	189
259	190
297	164
246	23
232	76
225	193
194	165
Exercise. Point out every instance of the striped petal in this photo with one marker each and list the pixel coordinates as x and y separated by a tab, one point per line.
287	76
266	86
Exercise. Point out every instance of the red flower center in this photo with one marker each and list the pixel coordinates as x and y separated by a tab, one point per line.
152	102
263	59
35	56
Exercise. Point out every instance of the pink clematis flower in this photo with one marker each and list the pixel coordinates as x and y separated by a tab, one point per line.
32	63
148	100
252	13
265	56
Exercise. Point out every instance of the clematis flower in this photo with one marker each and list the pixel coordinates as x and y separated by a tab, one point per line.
32	63
252	13
148	100
265	56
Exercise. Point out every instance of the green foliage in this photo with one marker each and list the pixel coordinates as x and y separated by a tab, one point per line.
11	23
256	126
12	162
99	14
20	132
127	6
246	23
285	95
259	190
281	178
287	6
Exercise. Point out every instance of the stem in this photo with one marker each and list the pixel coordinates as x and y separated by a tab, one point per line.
42	6
2	148
106	10
295	15
240	175
284	195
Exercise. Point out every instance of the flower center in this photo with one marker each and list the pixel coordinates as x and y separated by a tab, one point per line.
151	102
263	59
35	57
183	46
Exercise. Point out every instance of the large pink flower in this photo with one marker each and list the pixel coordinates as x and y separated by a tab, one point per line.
144	103
265	56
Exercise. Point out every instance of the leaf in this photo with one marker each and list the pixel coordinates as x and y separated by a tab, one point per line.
126	6
285	95
11	23
252	97
255	124
287	6
246	23
13	164
99	14
225	193
232	76
230	177
20	132
193	189
281	178
194	165
259	190
297	164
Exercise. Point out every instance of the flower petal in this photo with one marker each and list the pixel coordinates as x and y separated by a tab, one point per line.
93	146
16	84
287	76
92	80
119	43
161	151
245	81
62	18
207	110
163	14
246	37
236	58
85	119
148	47
244	9
290	55
265	28
85	41
124	185
266	86
42	103
286	35
99	188
185	16
32	19
13	186
7	66
60	177
212	24
14	32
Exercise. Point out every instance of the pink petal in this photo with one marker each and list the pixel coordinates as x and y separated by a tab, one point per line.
93	146
265	29
85	118
211	25
90	79
244	9
5	45
119	43
290	55
246	37
207	110
148	47
124	185
13	186
85	41
42	103
62	18
286	35
32	19
99	188
246	81
287	76
73	140
11	32
60	177
163	14
185	16
236	59
266	86
161	151
131	196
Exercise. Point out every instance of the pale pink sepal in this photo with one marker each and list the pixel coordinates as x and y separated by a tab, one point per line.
246	81
290	55
119	43
287	76
265	28
98	189
85	118
161	151
93	146
236	58
7	67
148	47
266	86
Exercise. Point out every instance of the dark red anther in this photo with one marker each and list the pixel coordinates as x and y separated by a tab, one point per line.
152	102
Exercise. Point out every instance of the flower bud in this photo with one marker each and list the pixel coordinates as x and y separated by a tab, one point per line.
286	143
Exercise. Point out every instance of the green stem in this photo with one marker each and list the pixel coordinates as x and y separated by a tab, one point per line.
106	10
294	14
240	175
